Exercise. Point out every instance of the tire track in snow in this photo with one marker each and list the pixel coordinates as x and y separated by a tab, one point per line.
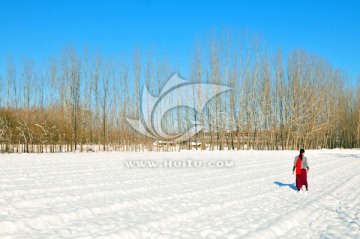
202	195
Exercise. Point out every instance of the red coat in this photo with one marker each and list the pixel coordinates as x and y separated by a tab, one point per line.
298	166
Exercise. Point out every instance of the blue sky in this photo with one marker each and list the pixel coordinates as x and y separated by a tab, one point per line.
38	29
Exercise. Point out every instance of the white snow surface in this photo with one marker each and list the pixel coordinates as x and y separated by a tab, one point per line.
94	195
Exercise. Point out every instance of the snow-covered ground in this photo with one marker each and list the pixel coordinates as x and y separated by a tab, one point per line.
98	195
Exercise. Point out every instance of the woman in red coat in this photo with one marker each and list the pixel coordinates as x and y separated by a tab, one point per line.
302	167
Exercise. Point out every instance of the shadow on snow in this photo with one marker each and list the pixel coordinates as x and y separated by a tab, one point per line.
290	185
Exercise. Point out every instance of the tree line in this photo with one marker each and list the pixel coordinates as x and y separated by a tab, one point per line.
79	101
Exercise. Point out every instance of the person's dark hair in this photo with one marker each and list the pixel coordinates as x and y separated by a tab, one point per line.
301	151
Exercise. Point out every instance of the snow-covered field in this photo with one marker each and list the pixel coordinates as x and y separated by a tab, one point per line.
97	195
